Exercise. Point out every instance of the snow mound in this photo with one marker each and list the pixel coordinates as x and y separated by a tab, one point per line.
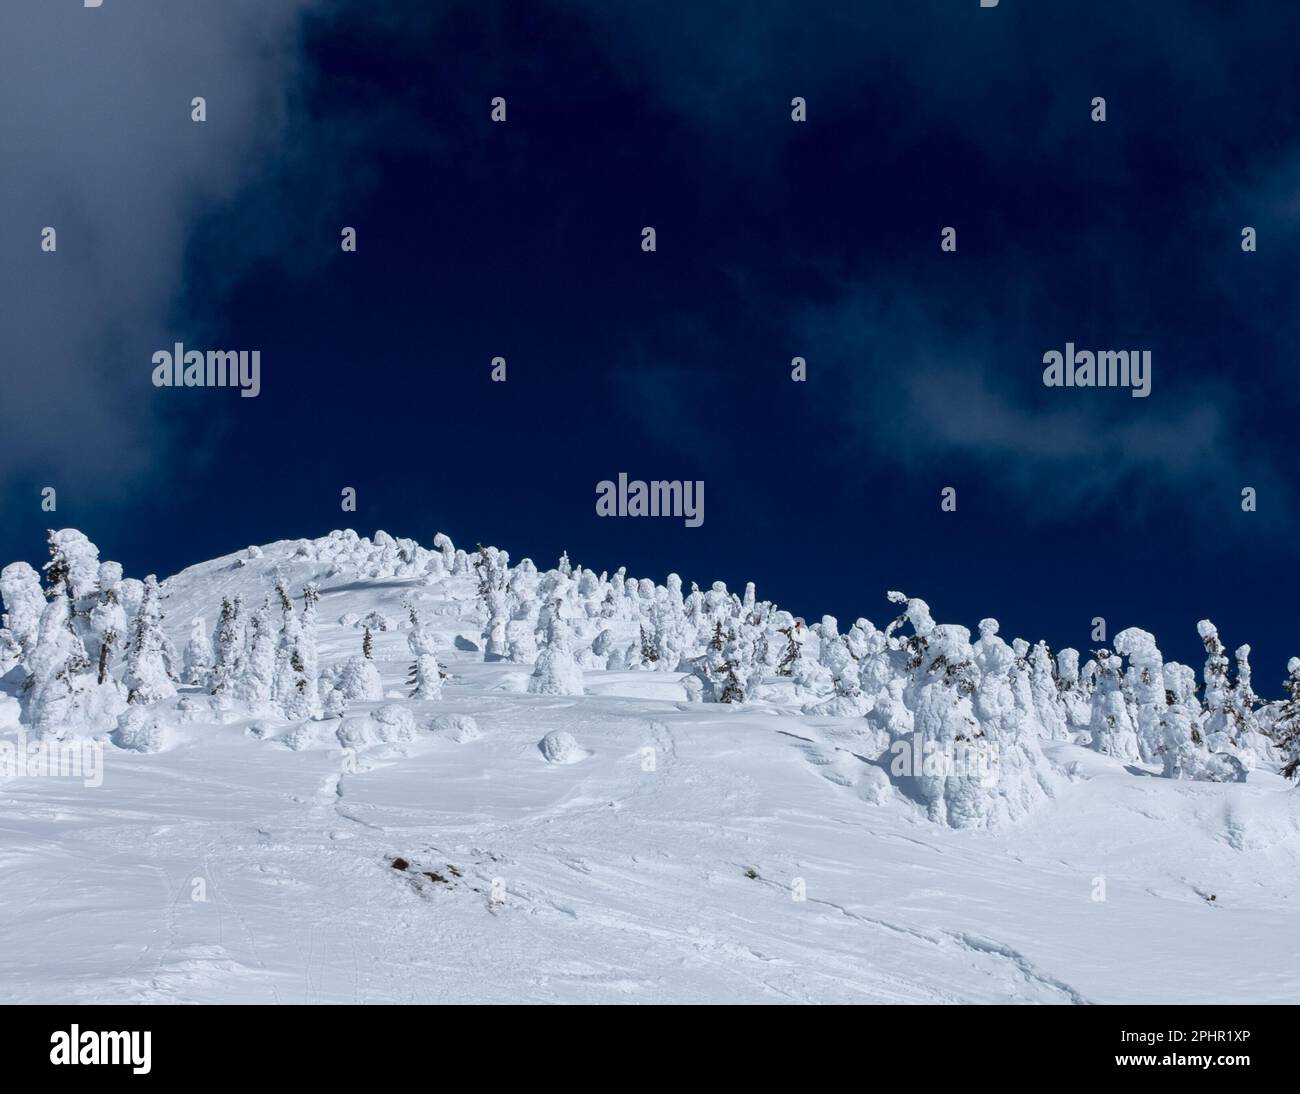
1258	823
560	747
139	730
460	728
356	733
874	786
190	710
396	724
389	725
301	736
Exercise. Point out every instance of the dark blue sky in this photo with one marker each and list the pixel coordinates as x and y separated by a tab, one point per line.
775	239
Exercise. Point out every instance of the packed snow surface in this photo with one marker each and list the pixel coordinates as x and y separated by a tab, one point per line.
516	842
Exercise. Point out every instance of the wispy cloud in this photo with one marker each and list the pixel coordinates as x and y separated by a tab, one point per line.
100	146
925	390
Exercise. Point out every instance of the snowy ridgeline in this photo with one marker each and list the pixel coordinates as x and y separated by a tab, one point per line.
960	725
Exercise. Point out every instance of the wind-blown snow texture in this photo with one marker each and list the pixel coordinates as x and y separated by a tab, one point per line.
563	815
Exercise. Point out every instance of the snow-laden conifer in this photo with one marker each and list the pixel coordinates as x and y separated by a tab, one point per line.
74	562
198	665
359	678
229	664
1075	699
147	678
59	668
1045	690
842	669
1111	724
107	623
1286	727
557	671
255	687
1218	726
1012	776
425	676
493	568
1182	753
1145	682
947	759
24	604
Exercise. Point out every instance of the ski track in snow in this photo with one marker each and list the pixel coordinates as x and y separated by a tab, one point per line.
621	884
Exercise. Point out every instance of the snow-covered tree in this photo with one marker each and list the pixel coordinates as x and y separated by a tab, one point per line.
1229	719
521	637
131	592
648	649
521	634
198	655
1242	711
255	687
24	604
787	627
605	648
1045	691
359	679
556	672
74	563
948	760
11	654
611	607
229	665
308	655
1075	698
1015	775
426	675
809	674
107	623
1182	752
443	544
59	667
1145	682
879	666
493	567
296	690
1218	726
710	668
1286	727
1111	725
672	631
738	662
840	666
147	678
335	703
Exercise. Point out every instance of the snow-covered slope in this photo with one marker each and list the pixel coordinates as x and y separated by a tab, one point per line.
681	852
